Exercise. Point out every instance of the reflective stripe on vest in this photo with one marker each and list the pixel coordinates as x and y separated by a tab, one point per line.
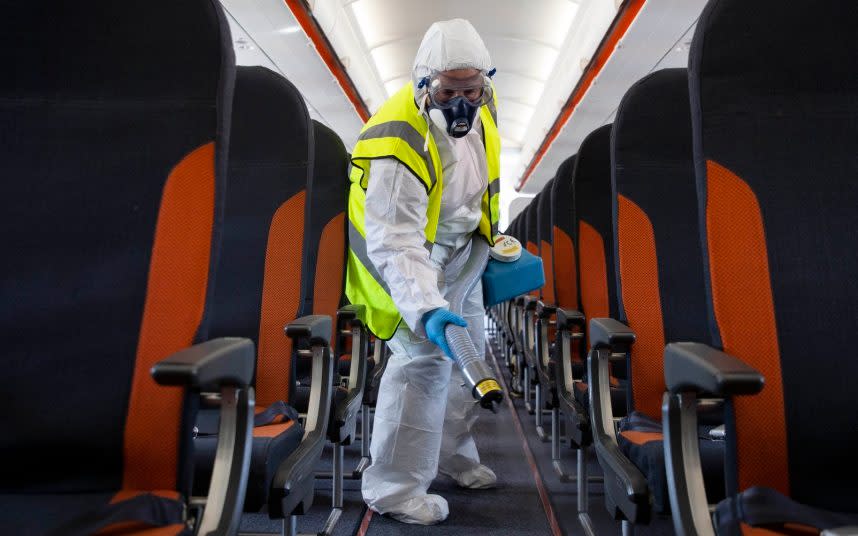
397	131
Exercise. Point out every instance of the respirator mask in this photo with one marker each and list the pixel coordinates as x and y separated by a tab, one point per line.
453	102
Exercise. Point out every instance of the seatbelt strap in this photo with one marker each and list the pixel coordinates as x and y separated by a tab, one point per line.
146	509
263	418
761	507
273	411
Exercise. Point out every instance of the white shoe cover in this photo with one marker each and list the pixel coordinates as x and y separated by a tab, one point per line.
479	477
424	510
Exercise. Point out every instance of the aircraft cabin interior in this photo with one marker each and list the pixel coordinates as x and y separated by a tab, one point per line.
435	268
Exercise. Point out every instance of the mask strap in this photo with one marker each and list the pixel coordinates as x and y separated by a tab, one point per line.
421	111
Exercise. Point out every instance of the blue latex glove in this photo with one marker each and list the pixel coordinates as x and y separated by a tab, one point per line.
435	321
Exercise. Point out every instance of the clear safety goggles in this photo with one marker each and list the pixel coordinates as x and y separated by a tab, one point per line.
443	88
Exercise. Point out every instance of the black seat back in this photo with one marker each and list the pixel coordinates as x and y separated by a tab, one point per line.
775	152
594	234
113	155
263	277
659	268
544	237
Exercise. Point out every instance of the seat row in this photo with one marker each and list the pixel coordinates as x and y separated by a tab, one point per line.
698	251
166	216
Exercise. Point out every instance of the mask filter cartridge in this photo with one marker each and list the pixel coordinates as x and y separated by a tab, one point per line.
457	118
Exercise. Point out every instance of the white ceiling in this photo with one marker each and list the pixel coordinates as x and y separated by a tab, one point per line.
540	48
657	39
266	33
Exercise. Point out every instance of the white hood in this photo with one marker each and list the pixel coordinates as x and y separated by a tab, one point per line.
449	45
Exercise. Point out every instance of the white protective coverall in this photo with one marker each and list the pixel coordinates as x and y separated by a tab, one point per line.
424	412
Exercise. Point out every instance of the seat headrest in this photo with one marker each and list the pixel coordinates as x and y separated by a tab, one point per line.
593	166
545	210
59	50
653	121
533	219
270	121
809	46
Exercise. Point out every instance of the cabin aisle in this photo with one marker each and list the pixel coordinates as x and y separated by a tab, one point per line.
513	508
563	495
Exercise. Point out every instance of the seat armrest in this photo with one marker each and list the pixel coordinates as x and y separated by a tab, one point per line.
226	361
530	302
625	486
543	344
567	336
292	485
569	318
225	365
351	314
528	329
545	310
294	478
691	366
688	502
316	328
607	332
380	355
692	369
350	325
841	531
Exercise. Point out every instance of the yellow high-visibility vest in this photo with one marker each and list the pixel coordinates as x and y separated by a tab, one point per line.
398	131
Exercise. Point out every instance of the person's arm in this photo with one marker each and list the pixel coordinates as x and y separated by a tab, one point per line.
395	219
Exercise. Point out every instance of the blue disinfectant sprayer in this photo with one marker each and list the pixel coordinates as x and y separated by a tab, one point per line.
506	271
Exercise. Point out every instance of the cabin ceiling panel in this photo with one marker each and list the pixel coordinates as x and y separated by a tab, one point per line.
265	32
656	39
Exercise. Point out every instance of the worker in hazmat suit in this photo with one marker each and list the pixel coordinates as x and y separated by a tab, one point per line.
424	179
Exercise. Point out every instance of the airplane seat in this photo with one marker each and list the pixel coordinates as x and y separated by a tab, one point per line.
589	192
594	229
543	330
327	231
532	232
114	158
658	266
532	236
595	248
326	252
558	329
328	194
562	233
326	240
545	344
521	373
565	264
526	309
263	280
774	151
545	242
515	230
